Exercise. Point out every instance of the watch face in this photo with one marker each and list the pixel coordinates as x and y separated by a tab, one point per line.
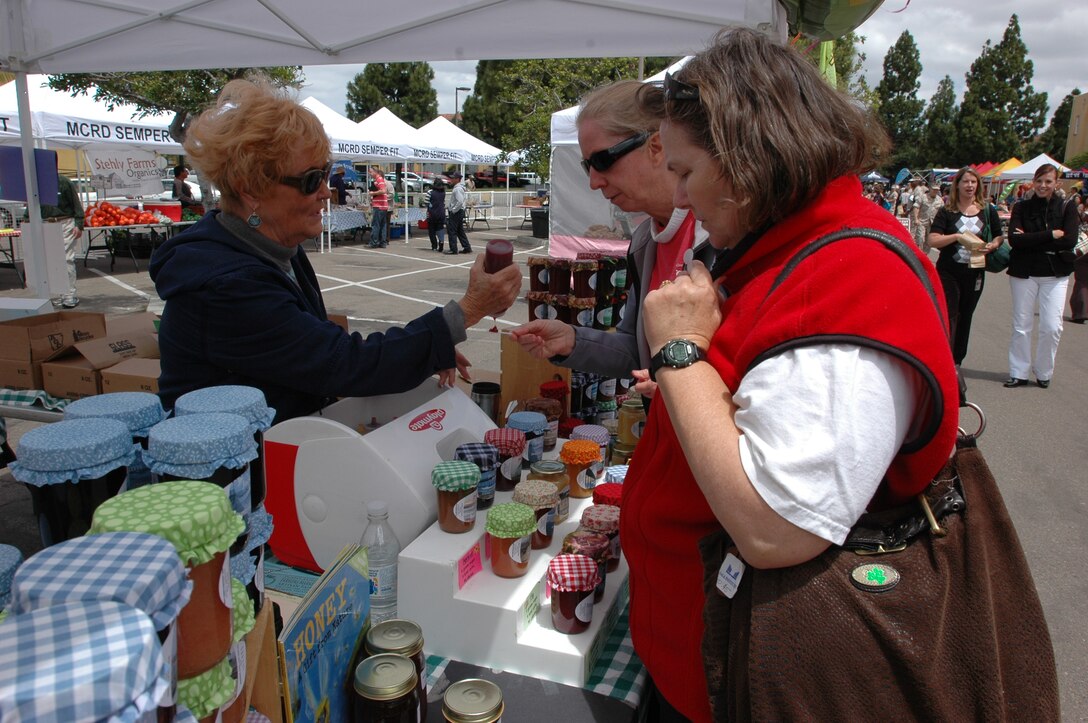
681	353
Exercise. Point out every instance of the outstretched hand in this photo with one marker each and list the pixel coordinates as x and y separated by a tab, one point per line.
545	338
489	294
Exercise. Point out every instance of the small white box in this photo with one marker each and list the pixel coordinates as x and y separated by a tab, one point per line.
18	308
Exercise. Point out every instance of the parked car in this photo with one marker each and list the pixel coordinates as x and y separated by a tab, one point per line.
413	182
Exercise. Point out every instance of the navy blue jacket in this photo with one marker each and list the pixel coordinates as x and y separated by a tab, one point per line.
232	317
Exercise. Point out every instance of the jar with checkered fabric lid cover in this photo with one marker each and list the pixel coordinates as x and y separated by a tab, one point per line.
455	482
486	457
572	579
511	445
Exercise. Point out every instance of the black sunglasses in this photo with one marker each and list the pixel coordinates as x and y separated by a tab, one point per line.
603	160
309	181
678	89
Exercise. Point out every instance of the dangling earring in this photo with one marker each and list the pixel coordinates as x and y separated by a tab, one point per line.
254	220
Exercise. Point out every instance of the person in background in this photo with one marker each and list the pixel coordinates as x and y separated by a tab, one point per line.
781	415
69	213
1039	228
623	158
436	215
1078	299
243	305
339	186
965	213
379	206
925	210
182	191
457	206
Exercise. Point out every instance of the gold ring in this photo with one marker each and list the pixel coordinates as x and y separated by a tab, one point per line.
665	283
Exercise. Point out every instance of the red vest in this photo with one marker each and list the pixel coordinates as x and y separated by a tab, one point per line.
854	291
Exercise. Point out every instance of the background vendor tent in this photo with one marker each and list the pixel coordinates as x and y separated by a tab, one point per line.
58	36
351	141
441	132
1026	170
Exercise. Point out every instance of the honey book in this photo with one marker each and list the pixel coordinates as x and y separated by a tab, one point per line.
322	639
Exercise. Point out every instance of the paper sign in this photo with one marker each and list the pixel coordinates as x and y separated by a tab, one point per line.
469	564
127	172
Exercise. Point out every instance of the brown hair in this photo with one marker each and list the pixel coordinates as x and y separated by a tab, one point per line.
1044	169
248	139
954	195
777	129
624	107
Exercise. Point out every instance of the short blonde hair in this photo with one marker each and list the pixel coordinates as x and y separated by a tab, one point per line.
624	108
777	129
247	141
954	194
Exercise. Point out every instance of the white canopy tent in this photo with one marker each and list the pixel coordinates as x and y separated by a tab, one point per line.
441	132
1025	171
166	35
351	141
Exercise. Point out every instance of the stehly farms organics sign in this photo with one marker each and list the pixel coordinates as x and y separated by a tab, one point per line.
127	173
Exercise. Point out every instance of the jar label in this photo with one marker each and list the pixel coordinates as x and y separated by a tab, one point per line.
590	391
239	494
238	654
224	582
511	468
607	415
259	575
546	524
587	478
584	609
614	546
551	434
486	487
604	317
534	448
562	510
591	282
519	550
542	275
619	278
606	389
465	509
170	658
383	581
545	311
585	317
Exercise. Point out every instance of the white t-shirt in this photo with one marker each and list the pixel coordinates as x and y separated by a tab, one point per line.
819	427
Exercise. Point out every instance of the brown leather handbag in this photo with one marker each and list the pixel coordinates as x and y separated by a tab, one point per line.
927	612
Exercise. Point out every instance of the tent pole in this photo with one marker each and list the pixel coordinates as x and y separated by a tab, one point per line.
37	278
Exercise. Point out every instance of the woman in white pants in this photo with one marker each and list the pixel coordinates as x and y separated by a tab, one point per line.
1040	228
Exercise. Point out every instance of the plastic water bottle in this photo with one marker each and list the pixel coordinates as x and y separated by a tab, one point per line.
382	550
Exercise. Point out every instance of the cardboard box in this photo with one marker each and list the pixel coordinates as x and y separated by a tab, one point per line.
47	336
121	324
110	350
522	374
20	374
132	375
19	308
72	377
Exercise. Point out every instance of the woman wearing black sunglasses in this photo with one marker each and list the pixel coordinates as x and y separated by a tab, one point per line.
242	302
623	159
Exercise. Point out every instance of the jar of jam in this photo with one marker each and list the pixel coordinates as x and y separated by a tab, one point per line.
72	467
10	559
538	273
533	424
621	454
198	519
631	420
510	526
245	401
216	447
598	434
606	520
498	254
582	459
486	458
606	414
577	392
402	637
556	473
455	482
386	690
543	497
559	277
609	493
595	546
551	409
557	389
572	579
139	411
472	700
511	446
134	568
206	694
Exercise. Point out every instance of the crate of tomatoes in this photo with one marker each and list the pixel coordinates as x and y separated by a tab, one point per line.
104	213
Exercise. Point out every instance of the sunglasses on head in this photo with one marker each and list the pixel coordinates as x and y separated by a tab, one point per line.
678	89
601	161
309	181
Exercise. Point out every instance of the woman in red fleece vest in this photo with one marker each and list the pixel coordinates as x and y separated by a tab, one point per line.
787	412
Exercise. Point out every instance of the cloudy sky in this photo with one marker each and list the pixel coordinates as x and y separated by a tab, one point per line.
949	35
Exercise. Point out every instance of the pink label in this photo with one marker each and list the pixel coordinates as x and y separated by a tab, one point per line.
431	419
469	564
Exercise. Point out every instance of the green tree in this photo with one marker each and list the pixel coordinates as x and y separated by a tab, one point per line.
403	88
185	93
1001	112
938	147
1052	140
900	108
513	100
848	61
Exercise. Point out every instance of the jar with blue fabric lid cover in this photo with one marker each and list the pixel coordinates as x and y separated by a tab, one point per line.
71	467
139	411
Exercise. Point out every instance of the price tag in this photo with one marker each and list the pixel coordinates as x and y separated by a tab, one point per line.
469	564
729	575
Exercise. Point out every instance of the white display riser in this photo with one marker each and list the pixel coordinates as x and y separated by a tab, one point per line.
501	623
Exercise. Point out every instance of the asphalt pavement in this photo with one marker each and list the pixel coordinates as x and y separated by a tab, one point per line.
1033	441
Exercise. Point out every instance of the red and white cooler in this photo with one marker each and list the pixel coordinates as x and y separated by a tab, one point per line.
322	470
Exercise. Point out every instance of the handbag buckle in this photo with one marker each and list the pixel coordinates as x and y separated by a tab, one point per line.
881	550
935	528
